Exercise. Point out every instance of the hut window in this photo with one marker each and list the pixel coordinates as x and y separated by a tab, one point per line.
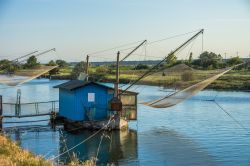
91	97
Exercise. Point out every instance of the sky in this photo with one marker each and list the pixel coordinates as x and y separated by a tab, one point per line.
79	27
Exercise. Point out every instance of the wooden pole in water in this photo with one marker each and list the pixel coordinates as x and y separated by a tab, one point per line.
52	119
87	66
1	112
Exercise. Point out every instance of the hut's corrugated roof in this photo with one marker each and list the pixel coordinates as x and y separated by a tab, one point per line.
71	85
75	84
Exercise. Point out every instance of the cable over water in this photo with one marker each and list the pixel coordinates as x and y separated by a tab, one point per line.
91	136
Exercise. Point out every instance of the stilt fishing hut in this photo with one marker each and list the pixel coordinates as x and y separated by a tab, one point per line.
90	104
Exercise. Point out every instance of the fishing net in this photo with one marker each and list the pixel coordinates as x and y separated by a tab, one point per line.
24	75
186	81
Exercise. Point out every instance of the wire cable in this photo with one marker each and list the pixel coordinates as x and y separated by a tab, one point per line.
98	148
113	48
235	120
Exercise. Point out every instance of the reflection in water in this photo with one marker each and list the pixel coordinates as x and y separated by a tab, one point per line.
156	147
116	146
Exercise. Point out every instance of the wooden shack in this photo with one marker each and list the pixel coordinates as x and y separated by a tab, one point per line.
89	101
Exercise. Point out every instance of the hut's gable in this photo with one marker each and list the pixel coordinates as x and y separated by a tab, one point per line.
93	101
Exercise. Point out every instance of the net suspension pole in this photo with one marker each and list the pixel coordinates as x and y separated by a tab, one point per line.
202	42
117	75
87	67
133	50
16	60
53	49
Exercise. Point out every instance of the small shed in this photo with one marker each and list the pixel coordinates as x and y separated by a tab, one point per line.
84	101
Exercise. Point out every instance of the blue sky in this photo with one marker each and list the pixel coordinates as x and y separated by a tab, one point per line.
78	27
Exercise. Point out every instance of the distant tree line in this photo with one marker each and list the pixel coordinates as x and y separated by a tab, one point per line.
209	60
206	61
8	66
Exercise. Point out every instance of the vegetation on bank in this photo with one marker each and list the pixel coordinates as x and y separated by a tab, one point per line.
11	154
208	62
237	79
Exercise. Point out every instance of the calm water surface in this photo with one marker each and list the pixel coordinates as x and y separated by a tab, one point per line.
195	132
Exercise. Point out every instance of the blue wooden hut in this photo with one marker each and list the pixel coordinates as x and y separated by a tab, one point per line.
84	101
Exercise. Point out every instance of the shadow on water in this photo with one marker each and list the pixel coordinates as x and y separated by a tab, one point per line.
167	147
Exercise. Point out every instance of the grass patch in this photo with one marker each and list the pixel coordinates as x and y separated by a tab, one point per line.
11	154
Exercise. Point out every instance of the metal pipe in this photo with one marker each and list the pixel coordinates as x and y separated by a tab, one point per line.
133	50
14	60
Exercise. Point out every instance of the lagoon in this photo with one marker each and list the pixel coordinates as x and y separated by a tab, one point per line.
195	132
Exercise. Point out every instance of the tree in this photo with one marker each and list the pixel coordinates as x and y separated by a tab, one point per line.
9	66
55	70
79	67
234	61
51	63
61	63
31	62
190	59
102	70
4	64
210	60
141	67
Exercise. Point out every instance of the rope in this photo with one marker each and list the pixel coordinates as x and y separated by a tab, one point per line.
174	36
48	153
83	140
167	38
235	120
98	148
156	41
189	51
67	149
105	50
